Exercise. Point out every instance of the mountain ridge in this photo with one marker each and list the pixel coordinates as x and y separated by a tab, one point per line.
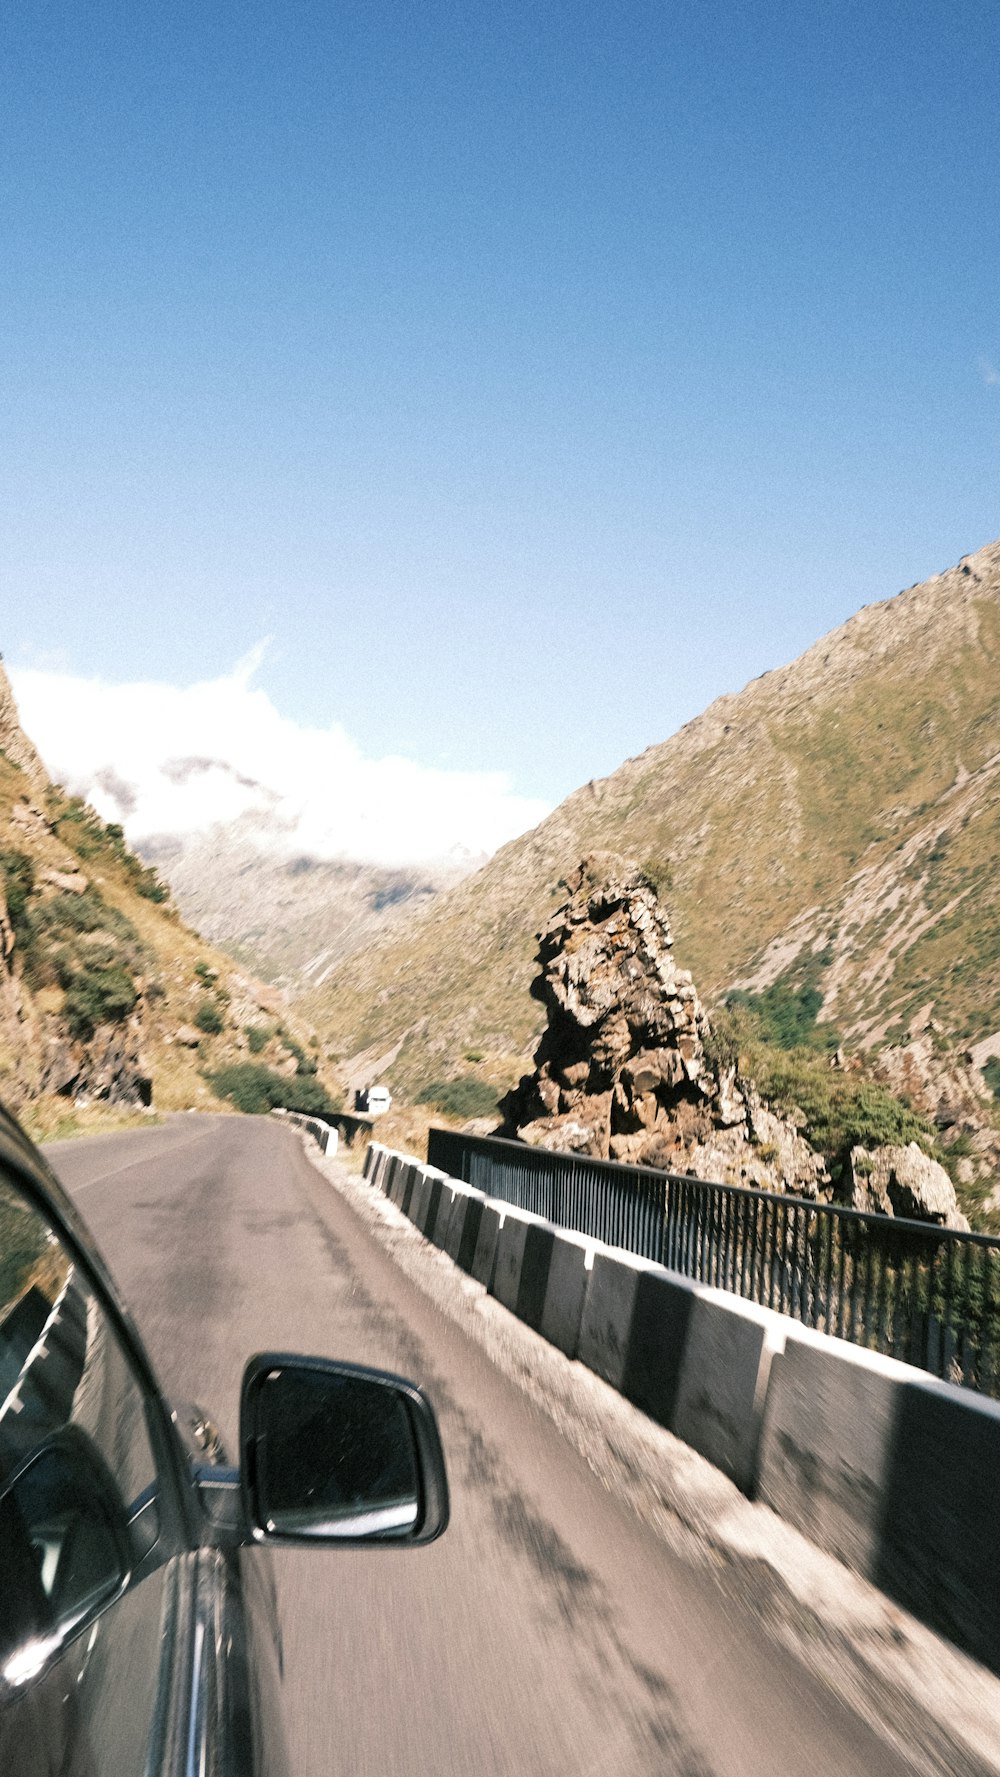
757	818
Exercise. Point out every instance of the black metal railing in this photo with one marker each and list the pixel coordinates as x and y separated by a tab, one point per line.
929	1296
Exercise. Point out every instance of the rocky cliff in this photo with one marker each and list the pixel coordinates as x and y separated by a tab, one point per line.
628	1067
625	1067
14	743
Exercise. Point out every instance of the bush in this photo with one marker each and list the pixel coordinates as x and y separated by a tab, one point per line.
97	995
841	1111
79	827
256	1089
146	882
306	1064
18	883
209	1019
258	1037
787	1015
464	1097
660	872
67	913
84	832
991	1074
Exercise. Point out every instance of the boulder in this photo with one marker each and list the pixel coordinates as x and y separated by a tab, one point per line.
898	1181
69	882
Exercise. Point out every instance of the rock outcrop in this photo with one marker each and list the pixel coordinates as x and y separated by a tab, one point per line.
944	1085
625	1067
898	1181
13	740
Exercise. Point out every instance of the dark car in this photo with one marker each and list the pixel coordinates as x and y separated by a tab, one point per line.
138	1629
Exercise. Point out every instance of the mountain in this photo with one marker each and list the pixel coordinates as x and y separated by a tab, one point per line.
106	997
289	919
832	828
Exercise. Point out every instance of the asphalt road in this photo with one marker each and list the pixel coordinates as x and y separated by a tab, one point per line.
550	1633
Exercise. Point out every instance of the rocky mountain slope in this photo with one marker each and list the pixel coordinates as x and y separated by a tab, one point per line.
835	824
629	1068
105	996
291	920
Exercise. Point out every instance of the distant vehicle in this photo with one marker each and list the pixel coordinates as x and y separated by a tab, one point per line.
138	1628
373	1099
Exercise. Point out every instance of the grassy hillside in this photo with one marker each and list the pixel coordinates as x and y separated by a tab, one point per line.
843	808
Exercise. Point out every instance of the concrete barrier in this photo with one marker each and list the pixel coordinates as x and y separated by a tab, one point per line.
632	1329
878	1463
437	1233
425	1197
695	1359
484	1257
407	1181
521	1266
418	1194
893	1472
565	1288
370	1165
462	1233
728	1349
323	1134
398	1179
384	1168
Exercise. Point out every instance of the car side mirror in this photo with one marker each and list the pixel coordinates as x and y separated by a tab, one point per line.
336	1453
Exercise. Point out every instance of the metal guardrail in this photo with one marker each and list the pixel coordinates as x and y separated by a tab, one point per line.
929	1296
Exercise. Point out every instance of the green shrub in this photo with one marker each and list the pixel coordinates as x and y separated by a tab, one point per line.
97	994
786	1012
660	872
18	885
306	1064
464	1097
991	1074
256	1089
67	913
840	1110
146	882
206	973
258	1037
787	1015
82	829
209	1019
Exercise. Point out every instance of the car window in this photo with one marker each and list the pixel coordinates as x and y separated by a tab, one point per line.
81	1598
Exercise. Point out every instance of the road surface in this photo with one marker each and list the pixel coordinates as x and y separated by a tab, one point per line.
550	1633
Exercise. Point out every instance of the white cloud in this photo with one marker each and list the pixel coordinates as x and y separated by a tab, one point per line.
165	759
988	372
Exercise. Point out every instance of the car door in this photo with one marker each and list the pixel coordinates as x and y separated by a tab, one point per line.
98	1570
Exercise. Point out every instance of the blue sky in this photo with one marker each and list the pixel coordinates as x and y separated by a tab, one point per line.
530	373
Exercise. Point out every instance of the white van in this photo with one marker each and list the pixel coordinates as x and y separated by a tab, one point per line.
373	1099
